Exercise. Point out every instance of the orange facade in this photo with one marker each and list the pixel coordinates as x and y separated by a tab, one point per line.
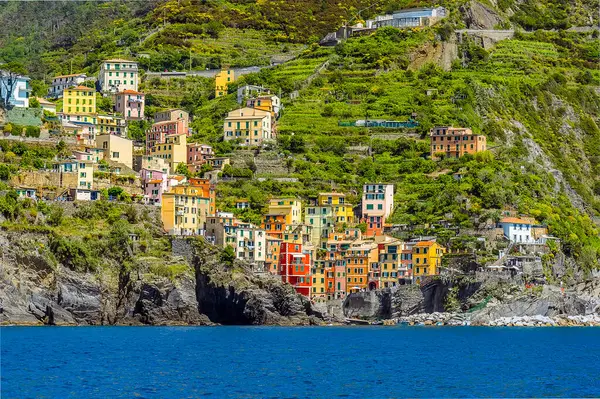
455	142
295	267
274	225
208	191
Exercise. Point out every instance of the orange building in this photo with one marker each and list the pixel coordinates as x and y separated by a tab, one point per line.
272	254
455	142
359	260
208	191
274	224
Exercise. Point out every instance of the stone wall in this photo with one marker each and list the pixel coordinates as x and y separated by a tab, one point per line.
41	179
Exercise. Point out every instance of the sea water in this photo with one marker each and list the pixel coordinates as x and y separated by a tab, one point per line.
309	362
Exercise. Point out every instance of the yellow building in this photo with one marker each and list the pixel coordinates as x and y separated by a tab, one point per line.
222	80
319	272
116	149
387	272
79	100
173	150
109	124
248	125
359	261
185	211
342	211
290	207
426	259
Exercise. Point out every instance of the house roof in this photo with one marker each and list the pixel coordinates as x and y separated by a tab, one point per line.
44	101
69	76
119	60
177	177
155	181
424	243
81	88
127	91
248	113
515	220
242	200
333	194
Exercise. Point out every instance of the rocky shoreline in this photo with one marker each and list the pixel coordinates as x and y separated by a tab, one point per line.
462	319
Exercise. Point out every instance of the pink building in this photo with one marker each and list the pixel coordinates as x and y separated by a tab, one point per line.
130	103
199	153
160	130
154	183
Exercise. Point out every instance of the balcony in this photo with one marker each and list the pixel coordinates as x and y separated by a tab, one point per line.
179	213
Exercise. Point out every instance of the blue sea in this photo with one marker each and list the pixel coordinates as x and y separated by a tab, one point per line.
303	362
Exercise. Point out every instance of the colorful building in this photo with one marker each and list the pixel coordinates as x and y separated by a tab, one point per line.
130	104
118	75
269	103
185	209
290	207
517	230
295	267
454	142
322	221
173	150
62	82
79	100
274	224
251	245
248	125
111	124
116	148
273	254
46	105
386	273
222	81
221	229
83	168
157	134
427	259
173	115
342	211
198	154
359	259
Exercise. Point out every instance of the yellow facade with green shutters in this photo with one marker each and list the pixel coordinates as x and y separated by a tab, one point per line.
342	211
79	100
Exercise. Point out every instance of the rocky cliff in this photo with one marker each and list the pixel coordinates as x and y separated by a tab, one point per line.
36	290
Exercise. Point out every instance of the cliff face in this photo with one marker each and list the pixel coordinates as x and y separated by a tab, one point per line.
35	290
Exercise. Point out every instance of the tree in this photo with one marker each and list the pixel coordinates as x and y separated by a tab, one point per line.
228	255
34	103
182	169
10	75
297	144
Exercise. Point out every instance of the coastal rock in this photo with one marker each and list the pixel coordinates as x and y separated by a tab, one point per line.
368	305
519	307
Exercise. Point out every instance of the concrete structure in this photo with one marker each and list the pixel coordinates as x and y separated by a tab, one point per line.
409	18
47	105
19	96
79	100
455	142
222	80
116	148
517	230
251	126
130	104
173	151
83	168
117	75
60	83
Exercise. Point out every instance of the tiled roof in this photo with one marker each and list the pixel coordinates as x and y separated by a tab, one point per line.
515	220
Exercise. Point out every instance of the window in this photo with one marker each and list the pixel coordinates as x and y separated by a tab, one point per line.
115	155
369	206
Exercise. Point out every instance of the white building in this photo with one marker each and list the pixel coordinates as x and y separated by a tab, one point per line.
517	230
60	83
378	200
19	96
251	244
117	75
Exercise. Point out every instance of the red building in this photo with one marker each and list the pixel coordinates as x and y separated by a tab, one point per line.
374	225
294	267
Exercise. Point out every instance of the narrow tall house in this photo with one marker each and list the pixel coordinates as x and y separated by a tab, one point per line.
222	80
377	206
